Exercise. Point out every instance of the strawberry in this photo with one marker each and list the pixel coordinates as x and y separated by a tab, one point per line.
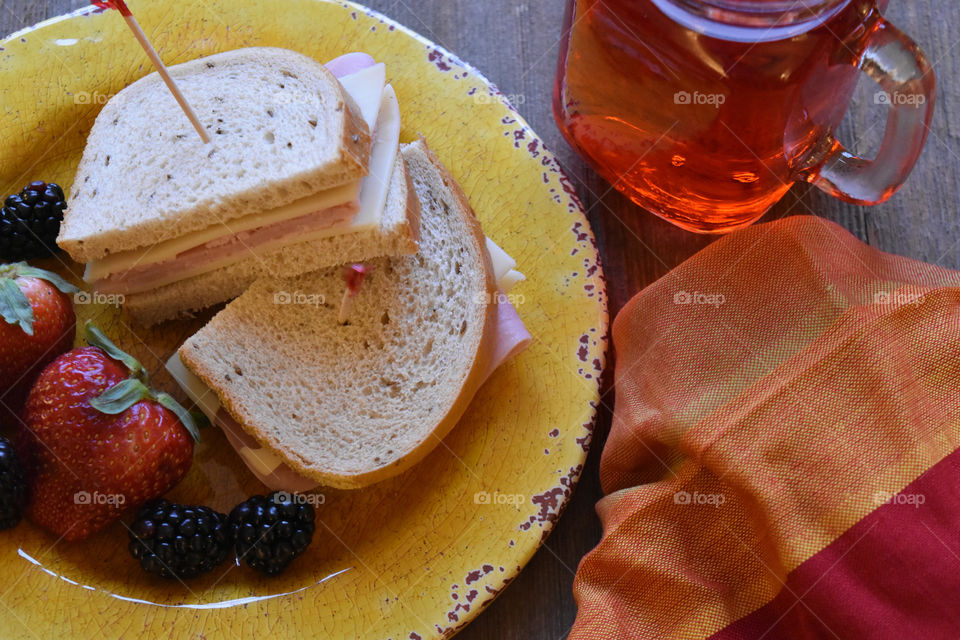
37	325
97	440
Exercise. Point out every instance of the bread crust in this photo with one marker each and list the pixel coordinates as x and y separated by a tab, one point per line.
475	378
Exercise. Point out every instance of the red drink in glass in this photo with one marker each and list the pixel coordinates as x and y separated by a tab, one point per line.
706	112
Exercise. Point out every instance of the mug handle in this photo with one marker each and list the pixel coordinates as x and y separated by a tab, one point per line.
908	86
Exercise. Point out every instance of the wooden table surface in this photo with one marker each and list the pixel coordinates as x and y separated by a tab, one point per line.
515	45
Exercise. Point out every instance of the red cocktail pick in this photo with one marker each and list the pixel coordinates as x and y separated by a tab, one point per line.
354	275
119	5
141	37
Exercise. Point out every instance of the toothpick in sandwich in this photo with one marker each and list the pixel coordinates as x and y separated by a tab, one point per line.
121	6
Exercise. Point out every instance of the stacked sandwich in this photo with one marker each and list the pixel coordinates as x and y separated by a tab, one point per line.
289	191
303	172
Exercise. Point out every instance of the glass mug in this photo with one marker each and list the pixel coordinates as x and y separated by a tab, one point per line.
706	112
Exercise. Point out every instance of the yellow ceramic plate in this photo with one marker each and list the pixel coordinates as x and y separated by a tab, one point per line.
415	557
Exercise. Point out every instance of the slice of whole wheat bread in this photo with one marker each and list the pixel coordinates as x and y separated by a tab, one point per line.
282	128
396	235
350	405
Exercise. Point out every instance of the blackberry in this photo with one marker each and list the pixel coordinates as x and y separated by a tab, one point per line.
179	541
13	486
30	222
272	531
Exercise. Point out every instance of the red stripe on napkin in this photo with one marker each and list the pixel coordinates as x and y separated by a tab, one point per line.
893	575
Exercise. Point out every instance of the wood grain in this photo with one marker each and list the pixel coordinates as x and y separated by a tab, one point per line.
515	45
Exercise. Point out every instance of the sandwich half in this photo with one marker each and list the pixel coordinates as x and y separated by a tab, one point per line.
307	399
303	172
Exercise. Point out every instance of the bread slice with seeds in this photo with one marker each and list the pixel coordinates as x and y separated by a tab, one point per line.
352	404
282	128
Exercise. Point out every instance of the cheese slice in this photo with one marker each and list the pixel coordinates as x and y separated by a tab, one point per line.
120	262
201	395
367	87
383	157
509	279
504	267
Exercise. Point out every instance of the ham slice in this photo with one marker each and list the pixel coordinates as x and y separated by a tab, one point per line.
226	250
349	64
511	339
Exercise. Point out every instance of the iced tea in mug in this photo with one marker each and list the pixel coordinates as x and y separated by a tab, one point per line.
705	112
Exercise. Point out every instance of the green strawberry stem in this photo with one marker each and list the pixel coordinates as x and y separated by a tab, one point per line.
14	306
99	339
167	401
134	389
121	397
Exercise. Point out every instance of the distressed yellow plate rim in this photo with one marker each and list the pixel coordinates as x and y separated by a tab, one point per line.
416	557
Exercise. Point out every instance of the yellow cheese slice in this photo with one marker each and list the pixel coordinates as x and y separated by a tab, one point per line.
120	262
260	460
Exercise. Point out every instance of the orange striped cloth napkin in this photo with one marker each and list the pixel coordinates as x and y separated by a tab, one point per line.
783	460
